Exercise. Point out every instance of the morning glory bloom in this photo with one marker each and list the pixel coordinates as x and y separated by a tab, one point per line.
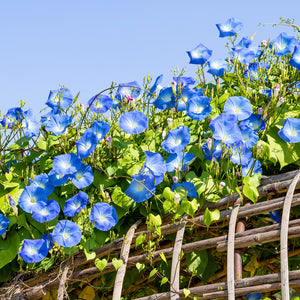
57	179
33	251
12	117
101	129
129	90
254	121
46	211
178	161
275	216
283	44
158	81
101	104
212	151
83	177
103	216
66	233
47	237
188	187
256	71
185	95
58	124
229	28
60	99
256	296
155	163
133	122
75	204
44	183
243	43
225	128
199	55
32	127
239	106
250	137
177	139
165	99
252	166
244	55
66	164
4	221
46	118
240	155
141	188
295	60
217	67
86	144
30	197
290	132
184	82
198	108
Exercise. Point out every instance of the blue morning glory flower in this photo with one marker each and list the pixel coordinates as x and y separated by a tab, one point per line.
217	67
252	166
290	132
46	118
66	164
250	137
141	188
30	197
244	55
133	122
155	163
178	161
75	204
177	139
229	28
239	106
256	71
275	216
128	90
86	144
225	129
199	55
100	128
184	82
283	44
255	122
165	99
188	187
101	104
214	150
46	211
32	127
103	216
44	183
295	60
33	251
243	43
185	95
4	221
256	296
66	233
58	124
47	237
12	117
198	108
240	155
57	179
158	81
157	179
83	177
60	99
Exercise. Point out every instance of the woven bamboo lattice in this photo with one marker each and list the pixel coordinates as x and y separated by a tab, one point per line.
232	212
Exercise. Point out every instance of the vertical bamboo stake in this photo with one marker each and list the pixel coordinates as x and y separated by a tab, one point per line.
124	256
285	290
175	270
230	252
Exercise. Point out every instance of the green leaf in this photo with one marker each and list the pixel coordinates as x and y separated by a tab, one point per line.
10	248
164	280
52	140
117	263
120	199
209	216
140	239
163	257
42	145
89	255
250	191
189	207
140	267
155	220
101	264
197	262
186	292
152	273
168	194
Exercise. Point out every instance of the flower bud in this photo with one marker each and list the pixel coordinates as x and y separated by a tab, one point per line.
175	179
129	98
259	149
12	203
170	122
209	143
263	43
276	90
81	107
222	185
176	198
173	85
280	101
163	135
260	110
109	141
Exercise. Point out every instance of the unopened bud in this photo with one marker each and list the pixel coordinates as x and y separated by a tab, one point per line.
176	198
81	107
276	90
259	149
163	135
170	122
222	185
129	98
175	179
263	43
12	203
280	101
209	143
260	110
109	141
173	85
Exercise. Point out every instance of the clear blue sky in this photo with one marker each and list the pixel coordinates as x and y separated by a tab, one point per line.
87	44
